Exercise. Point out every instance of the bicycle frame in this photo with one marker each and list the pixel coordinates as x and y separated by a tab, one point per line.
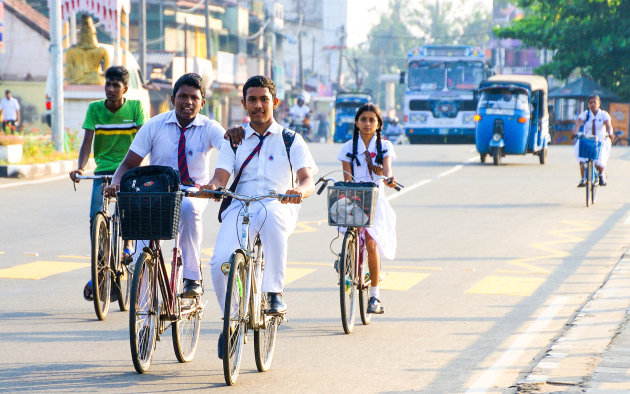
167	287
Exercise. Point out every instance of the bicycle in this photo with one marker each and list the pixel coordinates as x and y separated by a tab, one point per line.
107	269
157	302
351	205
245	303
589	149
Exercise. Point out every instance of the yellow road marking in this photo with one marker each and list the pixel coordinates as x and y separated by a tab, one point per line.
305	227
207	251
305	263
407	267
65	256
39	269
293	274
506	285
1	252
400	280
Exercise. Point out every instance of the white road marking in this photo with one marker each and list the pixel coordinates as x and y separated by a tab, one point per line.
627	220
486	381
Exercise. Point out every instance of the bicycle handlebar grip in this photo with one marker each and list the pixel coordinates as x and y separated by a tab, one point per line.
397	188
321	188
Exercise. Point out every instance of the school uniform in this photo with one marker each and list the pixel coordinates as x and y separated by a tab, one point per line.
594	125
383	230
159	138
268	170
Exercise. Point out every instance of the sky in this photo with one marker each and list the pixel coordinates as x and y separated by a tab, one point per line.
366	13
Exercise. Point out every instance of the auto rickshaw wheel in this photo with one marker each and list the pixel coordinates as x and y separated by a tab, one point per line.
482	157
542	155
496	156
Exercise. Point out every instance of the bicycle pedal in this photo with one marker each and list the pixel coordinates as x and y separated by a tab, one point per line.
225	268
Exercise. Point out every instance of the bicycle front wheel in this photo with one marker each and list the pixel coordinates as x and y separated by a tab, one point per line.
234	319
144	313
101	274
347	281
185	330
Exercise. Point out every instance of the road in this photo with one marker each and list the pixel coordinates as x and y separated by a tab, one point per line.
492	262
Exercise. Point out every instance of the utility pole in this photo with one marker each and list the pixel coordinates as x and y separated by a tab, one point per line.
185	44
313	56
56	54
208	37
142	32
299	37
342	40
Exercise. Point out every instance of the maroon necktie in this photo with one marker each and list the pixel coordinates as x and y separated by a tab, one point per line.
181	159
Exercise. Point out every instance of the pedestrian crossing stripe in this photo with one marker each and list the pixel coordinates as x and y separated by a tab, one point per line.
401	281
293	274
506	285
40	269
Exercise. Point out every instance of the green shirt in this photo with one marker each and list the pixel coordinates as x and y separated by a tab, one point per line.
113	132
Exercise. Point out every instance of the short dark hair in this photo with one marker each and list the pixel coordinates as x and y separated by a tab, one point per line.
117	73
260	81
191	79
7	91
596	97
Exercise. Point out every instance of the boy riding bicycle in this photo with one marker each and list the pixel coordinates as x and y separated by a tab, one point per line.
112	124
266	160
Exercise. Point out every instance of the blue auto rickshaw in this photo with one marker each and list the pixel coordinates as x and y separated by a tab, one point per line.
512	117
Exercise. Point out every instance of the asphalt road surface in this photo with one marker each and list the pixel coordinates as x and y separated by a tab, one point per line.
492	262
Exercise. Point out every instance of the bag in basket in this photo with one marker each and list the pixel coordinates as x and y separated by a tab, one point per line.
159	179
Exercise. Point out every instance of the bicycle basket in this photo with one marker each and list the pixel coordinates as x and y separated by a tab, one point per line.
352	204
151	216
589	148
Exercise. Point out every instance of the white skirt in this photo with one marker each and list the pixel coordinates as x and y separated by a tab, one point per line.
384	229
604	153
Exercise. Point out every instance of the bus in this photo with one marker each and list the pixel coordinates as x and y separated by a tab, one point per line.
346	106
440	84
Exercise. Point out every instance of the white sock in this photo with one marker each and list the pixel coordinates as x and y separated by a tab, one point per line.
374	292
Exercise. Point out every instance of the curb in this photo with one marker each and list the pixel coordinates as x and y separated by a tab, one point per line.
26	171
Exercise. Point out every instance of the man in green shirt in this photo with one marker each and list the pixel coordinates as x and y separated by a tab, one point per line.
112	124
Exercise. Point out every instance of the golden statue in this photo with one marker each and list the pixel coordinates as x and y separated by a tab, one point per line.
86	61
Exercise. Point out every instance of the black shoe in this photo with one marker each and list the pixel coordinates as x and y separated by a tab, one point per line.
276	305
87	292
220	346
375	306
192	288
582	183
602	180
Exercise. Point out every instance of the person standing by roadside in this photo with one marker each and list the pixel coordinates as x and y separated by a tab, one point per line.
112	124
10	111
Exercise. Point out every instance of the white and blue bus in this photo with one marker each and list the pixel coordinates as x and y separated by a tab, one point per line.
440	84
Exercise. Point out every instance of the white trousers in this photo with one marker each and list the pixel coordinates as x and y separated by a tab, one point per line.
189	236
274	222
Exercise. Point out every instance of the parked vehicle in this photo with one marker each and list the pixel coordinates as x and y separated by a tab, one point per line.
346	105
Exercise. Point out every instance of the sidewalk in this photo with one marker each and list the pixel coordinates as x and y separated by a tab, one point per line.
593	354
30	171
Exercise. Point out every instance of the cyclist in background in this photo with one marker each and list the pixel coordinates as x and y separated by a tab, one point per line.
597	123
111	124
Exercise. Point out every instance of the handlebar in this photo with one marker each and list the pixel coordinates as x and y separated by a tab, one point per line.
77	178
223	193
325	182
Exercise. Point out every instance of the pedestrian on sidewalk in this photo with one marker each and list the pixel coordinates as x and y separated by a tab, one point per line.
10	111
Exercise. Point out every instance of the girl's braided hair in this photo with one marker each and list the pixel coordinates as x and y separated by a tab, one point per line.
355	136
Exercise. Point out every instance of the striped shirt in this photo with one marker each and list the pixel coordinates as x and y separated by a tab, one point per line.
113	132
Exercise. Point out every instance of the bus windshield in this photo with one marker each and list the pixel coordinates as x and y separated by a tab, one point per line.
347	108
459	75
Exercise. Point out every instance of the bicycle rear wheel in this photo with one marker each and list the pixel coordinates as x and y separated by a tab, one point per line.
594	185
347	281
122	274
364	290
264	337
185	331
144	314
101	274
589	181
234	319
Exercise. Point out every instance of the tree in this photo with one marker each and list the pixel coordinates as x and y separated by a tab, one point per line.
589	36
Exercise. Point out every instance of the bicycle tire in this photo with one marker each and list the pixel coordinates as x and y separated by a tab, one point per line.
100	266
144	314
185	330
264	337
589	181
123	275
594	185
347	281
364	291
234	319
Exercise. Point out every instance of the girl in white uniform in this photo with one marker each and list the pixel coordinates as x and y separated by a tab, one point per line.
366	142
597	122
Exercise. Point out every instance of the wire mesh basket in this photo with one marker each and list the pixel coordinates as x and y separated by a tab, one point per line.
352	204
150	216
589	148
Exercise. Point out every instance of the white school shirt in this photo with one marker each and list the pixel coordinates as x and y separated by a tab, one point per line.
159	136
299	113
600	117
269	169
10	108
361	173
